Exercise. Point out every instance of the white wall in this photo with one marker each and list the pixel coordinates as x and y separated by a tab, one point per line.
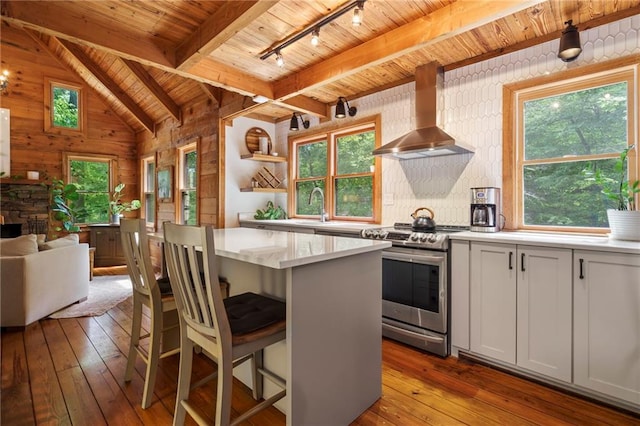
473	114
239	172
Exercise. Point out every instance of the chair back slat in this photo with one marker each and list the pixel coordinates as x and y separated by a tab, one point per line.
199	302
135	245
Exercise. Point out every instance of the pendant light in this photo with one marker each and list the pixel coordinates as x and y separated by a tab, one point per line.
570	47
295	124
341	110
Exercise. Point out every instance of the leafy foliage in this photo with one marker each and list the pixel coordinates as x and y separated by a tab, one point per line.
270	213
620	190
92	180
65	107
64	205
117	206
561	132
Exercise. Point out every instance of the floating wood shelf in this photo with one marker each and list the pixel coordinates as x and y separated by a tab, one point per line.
263	157
263	190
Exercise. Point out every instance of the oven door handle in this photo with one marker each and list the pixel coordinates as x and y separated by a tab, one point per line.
412	334
421	258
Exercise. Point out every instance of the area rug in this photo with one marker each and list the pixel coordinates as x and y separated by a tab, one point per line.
105	292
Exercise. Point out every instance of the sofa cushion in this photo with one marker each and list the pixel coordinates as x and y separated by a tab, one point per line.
19	246
68	240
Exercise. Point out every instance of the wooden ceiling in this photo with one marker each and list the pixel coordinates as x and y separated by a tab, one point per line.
148	58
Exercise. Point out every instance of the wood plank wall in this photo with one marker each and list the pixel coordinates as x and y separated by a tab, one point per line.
199	123
31	147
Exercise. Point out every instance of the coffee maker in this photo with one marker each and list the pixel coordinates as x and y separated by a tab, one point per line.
485	209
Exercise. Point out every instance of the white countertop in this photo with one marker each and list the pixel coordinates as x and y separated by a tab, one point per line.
280	250
583	242
334	225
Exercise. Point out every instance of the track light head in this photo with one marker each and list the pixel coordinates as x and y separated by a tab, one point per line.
356	21
570	47
279	59
315	37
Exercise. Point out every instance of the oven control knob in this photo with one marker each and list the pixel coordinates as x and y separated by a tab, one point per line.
366	233
414	237
423	238
433	238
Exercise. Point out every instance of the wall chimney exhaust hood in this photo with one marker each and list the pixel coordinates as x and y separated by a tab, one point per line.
428	140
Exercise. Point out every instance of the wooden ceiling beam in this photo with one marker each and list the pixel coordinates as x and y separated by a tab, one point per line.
53	19
213	93
444	23
154	88
306	105
217	29
109	84
226	77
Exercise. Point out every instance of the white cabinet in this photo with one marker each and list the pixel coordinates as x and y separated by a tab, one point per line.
460	251
493	301
544	311
520	303
607	323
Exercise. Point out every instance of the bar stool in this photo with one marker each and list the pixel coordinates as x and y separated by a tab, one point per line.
154	294
232	330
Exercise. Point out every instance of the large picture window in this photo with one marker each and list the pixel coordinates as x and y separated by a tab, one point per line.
92	175
340	163
564	133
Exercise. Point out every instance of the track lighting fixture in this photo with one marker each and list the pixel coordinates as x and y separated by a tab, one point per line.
314	29
570	47
315	37
341	110
295	124
357	14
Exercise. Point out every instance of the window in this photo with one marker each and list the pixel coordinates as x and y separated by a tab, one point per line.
340	163
564	132
188	184
65	106
149	190
92	175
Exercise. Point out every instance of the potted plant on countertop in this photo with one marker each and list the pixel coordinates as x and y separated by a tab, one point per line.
624	220
117	206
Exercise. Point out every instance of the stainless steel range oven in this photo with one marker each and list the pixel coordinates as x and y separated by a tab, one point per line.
415	286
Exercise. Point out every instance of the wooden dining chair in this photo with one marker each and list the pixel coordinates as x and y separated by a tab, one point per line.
156	296
232	330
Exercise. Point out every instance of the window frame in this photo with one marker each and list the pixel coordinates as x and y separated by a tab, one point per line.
144	174
112	161
331	134
514	96
49	125
183	188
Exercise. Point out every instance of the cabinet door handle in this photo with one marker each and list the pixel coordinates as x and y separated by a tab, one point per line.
581	269
522	262
510	260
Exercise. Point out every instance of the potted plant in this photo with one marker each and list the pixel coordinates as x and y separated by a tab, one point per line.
65	207
624	220
117	206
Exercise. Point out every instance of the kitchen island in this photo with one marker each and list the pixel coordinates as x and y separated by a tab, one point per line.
332	286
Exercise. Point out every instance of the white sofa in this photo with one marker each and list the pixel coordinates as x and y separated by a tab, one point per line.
37	284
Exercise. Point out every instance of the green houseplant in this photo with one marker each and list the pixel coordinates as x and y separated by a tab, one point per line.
117	206
624	220
270	213
65	206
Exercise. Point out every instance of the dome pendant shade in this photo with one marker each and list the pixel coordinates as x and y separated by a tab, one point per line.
570	47
294	124
343	108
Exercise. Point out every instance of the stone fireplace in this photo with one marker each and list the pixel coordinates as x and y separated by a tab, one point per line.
25	204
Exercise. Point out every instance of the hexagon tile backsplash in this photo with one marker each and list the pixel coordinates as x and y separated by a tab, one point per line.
470	109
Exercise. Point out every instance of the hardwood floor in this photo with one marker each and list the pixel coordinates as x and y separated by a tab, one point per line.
70	371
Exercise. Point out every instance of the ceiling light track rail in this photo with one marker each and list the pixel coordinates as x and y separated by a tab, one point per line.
316	26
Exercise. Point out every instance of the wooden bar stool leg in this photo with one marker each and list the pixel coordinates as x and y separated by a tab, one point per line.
258	380
153	356
136	323
184	379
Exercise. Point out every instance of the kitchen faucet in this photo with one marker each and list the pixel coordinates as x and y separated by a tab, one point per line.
323	215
